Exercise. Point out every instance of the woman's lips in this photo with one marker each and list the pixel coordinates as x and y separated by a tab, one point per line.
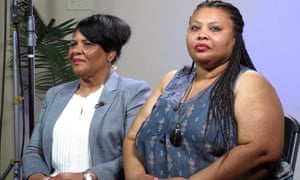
76	61
201	47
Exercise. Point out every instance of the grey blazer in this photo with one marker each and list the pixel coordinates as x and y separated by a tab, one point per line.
121	99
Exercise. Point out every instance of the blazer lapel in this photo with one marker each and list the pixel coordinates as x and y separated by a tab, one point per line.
104	104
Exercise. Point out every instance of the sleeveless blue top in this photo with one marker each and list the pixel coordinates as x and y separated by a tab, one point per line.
159	156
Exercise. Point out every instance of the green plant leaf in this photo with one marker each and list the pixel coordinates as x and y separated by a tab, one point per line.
51	62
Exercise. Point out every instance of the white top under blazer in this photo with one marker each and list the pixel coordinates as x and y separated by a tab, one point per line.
70	150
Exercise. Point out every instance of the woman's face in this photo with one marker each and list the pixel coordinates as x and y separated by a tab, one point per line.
88	59
210	38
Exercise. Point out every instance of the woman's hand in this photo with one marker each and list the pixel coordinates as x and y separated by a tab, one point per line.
149	177
38	176
68	176
146	177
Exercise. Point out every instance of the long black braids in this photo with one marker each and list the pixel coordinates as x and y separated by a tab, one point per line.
221	108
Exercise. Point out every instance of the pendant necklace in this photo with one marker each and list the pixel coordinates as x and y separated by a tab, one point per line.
176	134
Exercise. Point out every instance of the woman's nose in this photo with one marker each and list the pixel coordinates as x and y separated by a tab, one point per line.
76	49
202	35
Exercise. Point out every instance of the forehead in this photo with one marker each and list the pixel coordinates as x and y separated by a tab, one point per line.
211	15
78	35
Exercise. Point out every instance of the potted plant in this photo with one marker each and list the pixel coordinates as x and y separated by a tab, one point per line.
51	62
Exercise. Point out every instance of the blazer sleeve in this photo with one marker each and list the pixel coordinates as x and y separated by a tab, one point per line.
137	98
37	155
34	159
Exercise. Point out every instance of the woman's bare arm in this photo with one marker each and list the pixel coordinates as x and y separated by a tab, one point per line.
132	165
260	121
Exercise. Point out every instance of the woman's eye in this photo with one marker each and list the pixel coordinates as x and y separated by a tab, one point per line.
215	28
83	44
72	44
88	44
194	28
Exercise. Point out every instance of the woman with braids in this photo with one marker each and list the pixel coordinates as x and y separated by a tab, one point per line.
218	119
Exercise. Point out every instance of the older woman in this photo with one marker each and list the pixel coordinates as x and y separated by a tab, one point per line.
80	130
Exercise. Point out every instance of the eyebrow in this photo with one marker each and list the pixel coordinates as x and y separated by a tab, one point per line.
210	23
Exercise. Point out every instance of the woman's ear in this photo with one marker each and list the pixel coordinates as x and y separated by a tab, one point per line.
111	56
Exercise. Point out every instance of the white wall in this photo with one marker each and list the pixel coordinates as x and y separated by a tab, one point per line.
158	40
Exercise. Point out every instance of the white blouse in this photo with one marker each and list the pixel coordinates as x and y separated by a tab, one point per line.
70	149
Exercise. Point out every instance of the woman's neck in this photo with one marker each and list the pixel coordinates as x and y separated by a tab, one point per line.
87	87
209	74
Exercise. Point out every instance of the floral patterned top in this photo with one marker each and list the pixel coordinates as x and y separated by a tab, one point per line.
160	157
164	160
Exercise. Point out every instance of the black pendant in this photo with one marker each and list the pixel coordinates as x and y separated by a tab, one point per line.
176	136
